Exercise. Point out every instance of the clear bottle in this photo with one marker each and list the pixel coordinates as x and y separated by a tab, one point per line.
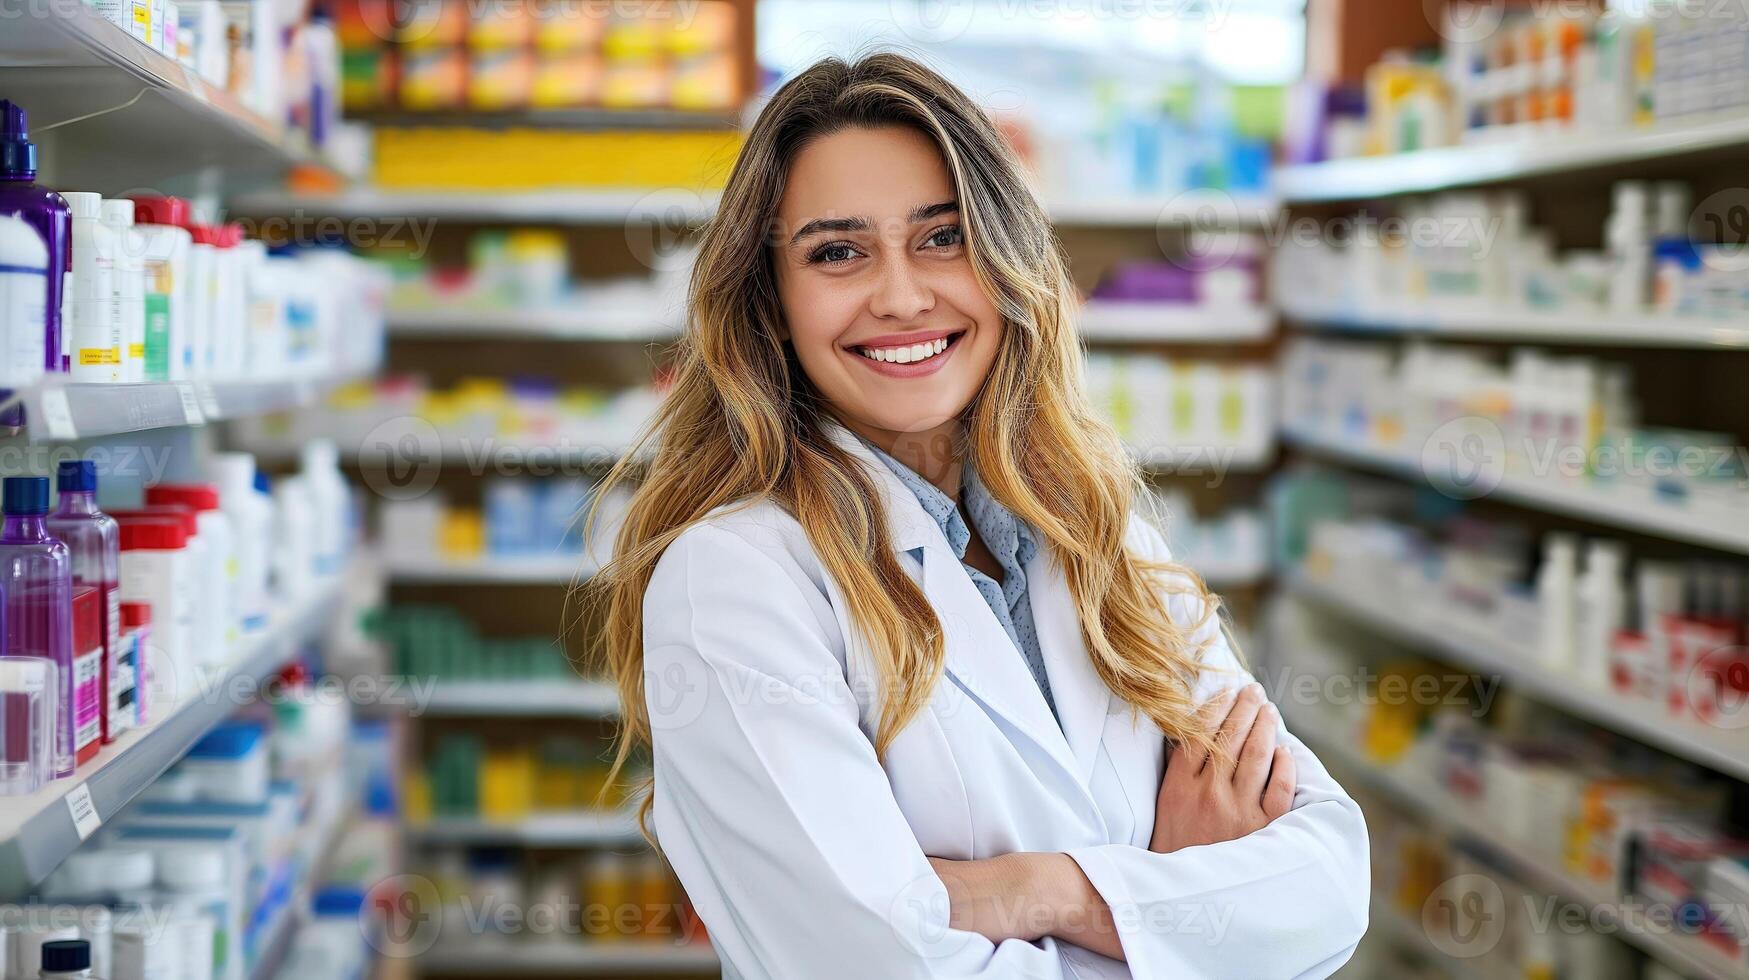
46	212
1555	584
130	287
24	325
36	577
97	340
93	541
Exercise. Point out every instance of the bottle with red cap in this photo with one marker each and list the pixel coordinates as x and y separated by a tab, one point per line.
157	569
216	630
203	275
162	224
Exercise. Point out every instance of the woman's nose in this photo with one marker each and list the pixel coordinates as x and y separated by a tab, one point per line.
901	293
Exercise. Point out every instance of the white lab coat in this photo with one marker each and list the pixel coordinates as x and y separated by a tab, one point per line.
804	854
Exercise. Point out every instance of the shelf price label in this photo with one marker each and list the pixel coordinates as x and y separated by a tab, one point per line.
84	812
190	403
57	414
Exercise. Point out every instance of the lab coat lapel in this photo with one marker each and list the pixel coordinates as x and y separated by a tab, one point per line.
1081	696
980	655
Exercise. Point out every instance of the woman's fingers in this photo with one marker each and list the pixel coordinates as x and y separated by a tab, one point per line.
1278	796
1214	712
1234	730
1251	770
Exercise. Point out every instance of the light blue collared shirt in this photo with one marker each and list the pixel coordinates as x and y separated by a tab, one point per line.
1007	537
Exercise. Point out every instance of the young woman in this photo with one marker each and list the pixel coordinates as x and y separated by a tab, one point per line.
924	697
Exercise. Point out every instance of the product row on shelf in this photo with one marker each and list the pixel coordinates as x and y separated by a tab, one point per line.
465	775
440	644
136	290
556	54
251	857
1195	416
1471	423
116	618
1641	838
1479	253
1657	636
1540	73
523	519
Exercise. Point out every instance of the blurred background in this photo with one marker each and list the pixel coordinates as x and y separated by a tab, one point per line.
1427	321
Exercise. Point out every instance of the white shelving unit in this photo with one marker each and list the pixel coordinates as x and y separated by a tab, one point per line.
1619	506
1649	330
37	831
1722	749
1186	323
561	958
60	411
1488	163
532	570
607	206
522	698
583	322
581	829
1472	824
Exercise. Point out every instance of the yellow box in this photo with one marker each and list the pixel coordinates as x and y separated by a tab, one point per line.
528	159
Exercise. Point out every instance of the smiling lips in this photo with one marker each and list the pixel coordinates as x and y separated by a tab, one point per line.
907	355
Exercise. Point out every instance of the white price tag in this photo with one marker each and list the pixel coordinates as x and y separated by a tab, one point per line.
85	818
57	420
209	399
190	403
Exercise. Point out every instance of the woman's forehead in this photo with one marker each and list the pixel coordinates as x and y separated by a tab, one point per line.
880	174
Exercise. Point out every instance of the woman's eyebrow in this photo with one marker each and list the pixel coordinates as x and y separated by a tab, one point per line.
922	212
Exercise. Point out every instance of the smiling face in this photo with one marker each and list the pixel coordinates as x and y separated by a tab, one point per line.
879	298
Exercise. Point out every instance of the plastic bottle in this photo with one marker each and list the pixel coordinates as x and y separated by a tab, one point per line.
216	632
46	212
1629	239
36	577
157	569
203	275
295	550
229	320
93	541
251	517
195	883
24	325
130	286
264	349
1601	610
1555	600
162	222
96	324
66	959
143	949
331	503
30	691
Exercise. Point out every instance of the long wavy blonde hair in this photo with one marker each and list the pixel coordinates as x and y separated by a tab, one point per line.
742	422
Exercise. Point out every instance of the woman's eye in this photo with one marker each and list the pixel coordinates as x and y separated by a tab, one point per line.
832	253
946	237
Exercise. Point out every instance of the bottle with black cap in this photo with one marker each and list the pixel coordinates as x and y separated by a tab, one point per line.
66	959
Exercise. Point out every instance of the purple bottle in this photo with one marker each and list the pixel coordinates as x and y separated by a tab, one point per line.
42	209
36	576
93	541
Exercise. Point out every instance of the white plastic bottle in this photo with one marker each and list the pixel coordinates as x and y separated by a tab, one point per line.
1601	610
95	322
251	516
166	301
1629	239
130	286
294	552
203	290
330	504
24	270
1555	584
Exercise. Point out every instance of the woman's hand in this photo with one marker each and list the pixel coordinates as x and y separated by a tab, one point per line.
1206	799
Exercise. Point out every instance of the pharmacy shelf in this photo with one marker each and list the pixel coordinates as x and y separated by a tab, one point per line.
582	118
560	958
61	61
59	411
1487	163
533	570
284	929
581	322
1592	329
1188	323
584	828
1397	927
38	830
1614	506
1209	460
554	206
1720	748
1207	210
532	699
1687	954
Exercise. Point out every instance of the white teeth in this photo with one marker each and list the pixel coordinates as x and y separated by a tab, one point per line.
905	355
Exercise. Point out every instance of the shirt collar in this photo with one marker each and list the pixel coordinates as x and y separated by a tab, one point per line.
946	512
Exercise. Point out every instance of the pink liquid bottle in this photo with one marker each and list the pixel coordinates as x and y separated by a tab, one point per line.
93	541
36	576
